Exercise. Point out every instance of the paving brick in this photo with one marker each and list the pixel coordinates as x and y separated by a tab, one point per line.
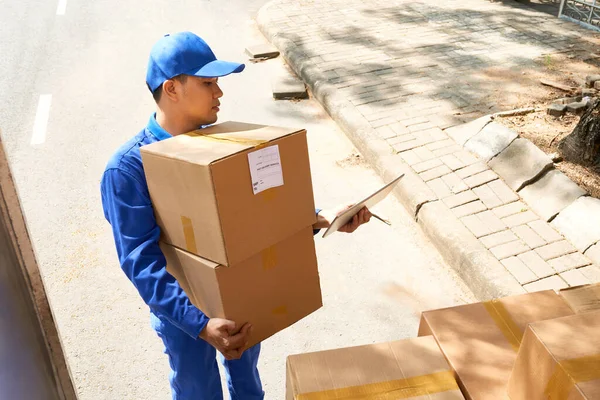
529	236
547	232
440	189
510	209
454	182
498	238
519	270
489	219
410	157
446	150
575	277
509	249
481	178
554	282
441	144
569	261
469	208
465	157
487	196
504	193
399	128
434	173
452	162
460	198
424	153
591	272
385	132
555	249
427	165
536	264
519	219
400	139
408	145
476	226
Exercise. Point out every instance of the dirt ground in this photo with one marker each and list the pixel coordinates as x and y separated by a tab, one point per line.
522	89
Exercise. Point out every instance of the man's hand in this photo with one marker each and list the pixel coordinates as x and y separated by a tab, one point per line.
223	335
326	217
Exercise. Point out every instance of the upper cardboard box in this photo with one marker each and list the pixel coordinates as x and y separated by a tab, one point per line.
231	190
481	340
559	359
583	298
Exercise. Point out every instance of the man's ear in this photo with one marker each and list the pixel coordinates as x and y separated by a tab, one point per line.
170	89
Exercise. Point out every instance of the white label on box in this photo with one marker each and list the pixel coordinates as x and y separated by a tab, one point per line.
265	169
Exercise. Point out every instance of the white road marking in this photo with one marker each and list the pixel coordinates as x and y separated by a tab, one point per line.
41	119
62	7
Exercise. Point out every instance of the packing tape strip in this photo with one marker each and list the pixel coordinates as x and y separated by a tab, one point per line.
505	323
269	258
188	234
392	390
232	139
568	373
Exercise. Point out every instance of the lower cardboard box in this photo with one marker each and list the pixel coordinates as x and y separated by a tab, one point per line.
405	369
271	290
582	298
481	340
559	360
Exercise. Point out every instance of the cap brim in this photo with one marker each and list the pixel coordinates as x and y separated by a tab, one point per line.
218	68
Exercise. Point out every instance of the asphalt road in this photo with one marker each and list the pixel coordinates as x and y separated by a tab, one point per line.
73	90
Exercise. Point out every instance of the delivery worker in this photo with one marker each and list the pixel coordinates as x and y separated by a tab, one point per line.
183	77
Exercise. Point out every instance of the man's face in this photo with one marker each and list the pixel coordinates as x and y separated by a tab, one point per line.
199	100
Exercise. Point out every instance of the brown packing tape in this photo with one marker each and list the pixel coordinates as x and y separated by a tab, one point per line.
269	258
225	138
505	323
568	373
391	390
188	234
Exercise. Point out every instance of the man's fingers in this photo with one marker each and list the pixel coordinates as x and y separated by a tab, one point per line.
241	338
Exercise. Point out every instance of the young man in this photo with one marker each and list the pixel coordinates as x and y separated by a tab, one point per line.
182	75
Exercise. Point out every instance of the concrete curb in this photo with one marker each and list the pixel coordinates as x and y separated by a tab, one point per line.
481	271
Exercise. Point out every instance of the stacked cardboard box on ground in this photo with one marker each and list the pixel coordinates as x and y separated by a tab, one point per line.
235	206
547	345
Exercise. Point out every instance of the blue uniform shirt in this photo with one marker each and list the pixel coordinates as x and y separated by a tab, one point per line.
127	207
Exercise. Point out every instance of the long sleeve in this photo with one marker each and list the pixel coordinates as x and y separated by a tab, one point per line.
128	209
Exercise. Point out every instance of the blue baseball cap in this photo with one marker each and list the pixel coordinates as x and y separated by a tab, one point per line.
185	53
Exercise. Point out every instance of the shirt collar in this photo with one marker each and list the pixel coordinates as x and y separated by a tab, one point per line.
156	129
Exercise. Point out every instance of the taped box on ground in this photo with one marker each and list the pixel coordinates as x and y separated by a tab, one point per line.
559	359
229	191
582	298
481	340
406	369
272	289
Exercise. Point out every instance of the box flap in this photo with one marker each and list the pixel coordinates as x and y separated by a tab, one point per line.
582	298
211	144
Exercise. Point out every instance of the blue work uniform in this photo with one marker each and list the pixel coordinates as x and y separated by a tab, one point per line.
127	207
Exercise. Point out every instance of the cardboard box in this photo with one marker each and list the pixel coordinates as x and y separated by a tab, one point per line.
582	298
481	340
559	359
406	369
272	289
211	192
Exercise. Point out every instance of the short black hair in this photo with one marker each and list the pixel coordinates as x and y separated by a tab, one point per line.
157	94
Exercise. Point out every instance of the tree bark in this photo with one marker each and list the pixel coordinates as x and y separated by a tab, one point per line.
582	146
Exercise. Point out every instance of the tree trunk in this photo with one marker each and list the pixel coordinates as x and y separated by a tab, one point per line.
582	146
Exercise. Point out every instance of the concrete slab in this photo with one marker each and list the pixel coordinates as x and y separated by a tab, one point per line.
557	110
464	132
551	194
580	222
520	163
288	87
594	253
491	140
262	51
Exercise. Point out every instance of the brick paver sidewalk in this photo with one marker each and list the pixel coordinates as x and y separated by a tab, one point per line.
408	68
